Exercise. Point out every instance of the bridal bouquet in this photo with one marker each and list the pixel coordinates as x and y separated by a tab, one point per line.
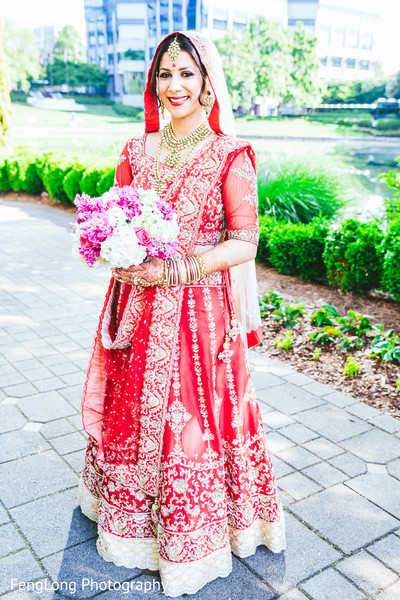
122	227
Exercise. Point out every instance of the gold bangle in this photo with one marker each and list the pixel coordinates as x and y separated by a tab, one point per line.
202	266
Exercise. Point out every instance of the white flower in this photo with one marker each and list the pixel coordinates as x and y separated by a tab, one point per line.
109	196
148	197
116	216
122	249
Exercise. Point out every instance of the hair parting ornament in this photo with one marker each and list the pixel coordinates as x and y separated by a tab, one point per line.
174	50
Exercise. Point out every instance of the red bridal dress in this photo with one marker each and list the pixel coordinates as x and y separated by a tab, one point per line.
177	470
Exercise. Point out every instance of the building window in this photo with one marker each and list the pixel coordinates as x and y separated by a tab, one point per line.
337	61
204	17
92	39
191	14
352	38
351	63
152	51
100	39
364	65
177	15
110	59
110	37
338	36
220	19
132	55
324	61
324	35
366	40
152	18
133	83
164	21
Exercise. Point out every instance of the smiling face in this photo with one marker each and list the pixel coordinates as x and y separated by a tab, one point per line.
179	87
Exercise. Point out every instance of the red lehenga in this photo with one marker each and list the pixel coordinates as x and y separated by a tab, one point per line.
177	470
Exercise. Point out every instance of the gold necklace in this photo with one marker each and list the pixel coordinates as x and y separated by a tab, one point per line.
160	183
176	145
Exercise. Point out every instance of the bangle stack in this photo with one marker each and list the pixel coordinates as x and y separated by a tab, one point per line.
177	272
185	270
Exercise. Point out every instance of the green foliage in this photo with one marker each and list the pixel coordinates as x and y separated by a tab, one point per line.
22	55
5	185
298	190
350	342
24	173
76	74
385	345
326	335
128	111
392	204
388	124
393	87
353	256
322	316
289	315
355	323
69	45
397	385
73	180
298	249
269	302
266	60
106	181
390	281
54	172
316	354
267	224
351	367
357	92
5	102
286	342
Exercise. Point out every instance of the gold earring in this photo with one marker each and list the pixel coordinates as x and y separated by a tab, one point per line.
208	103
162	107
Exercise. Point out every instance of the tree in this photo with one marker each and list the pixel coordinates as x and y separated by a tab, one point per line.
77	74
393	87
304	86
69	45
5	102
265	60
22	55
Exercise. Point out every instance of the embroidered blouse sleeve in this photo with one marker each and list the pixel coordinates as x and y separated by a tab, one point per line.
123	172
240	195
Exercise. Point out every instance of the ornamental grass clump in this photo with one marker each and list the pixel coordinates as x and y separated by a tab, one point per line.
297	190
353	256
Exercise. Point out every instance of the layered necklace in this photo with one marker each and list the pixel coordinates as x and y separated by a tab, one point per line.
174	158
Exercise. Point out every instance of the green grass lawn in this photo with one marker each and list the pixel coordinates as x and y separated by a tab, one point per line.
293	127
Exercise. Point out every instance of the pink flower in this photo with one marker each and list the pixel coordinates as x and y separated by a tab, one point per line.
143	236
129	201
166	209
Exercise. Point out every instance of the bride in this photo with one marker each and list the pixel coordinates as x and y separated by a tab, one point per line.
177	470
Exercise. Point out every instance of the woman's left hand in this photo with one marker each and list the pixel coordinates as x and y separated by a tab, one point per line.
150	270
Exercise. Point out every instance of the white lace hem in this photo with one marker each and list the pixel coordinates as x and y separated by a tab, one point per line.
180	578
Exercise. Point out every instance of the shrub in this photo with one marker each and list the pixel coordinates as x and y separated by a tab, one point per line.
23	173
73	180
392	204
106	181
267	224
298	249
388	124
353	256
298	190
5	185
54	172
390	281
128	111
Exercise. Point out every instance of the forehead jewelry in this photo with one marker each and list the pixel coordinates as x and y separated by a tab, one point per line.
173	50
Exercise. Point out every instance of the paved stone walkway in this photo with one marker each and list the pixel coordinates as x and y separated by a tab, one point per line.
336	459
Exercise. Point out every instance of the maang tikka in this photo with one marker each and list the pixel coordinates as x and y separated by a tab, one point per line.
173	50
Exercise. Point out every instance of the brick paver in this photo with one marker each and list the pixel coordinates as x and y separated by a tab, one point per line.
336	460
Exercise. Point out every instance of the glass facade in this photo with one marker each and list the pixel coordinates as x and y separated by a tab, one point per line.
177	15
133	83
164	17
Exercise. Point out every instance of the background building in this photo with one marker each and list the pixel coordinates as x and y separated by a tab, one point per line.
122	35
346	33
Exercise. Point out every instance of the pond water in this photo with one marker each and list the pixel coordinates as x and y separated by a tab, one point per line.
359	163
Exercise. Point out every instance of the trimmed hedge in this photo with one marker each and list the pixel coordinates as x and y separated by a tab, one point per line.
61	176
390	281
353	256
297	249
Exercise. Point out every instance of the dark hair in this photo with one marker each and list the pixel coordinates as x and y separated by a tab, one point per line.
186	45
